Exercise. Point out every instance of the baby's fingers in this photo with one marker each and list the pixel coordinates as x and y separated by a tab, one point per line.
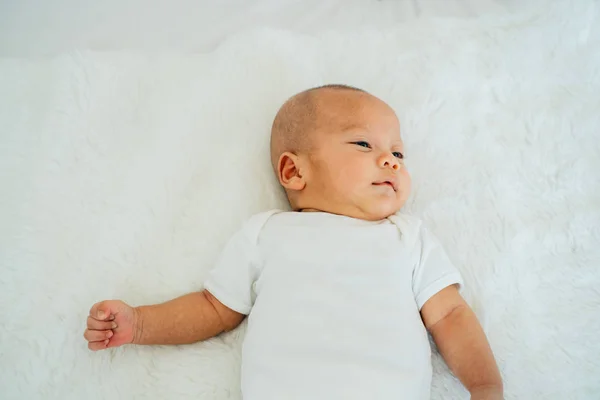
95	346
94	324
97	336
105	309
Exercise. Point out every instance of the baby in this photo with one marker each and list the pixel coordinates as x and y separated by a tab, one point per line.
340	292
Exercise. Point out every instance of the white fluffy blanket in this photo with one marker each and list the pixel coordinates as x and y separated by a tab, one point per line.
123	174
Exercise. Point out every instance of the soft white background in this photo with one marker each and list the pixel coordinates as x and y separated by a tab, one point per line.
134	141
32	27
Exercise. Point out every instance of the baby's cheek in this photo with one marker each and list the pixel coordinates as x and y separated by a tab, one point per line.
351	175
407	177
405	182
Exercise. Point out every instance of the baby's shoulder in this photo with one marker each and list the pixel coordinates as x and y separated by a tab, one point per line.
409	226
414	233
405	219
252	227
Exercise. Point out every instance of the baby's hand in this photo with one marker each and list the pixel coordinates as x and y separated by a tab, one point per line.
111	323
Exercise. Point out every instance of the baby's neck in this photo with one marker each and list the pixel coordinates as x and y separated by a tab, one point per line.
310	210
314	210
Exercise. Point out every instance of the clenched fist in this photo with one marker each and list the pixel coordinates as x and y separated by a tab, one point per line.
111	323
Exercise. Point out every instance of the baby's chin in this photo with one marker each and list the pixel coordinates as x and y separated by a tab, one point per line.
376	211
380	207
369	208
379	214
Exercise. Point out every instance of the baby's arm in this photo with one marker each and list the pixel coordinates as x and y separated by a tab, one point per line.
186	319
462	342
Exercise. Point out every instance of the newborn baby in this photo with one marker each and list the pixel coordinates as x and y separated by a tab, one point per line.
341	291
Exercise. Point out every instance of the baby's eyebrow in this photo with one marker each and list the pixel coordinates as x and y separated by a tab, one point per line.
351	127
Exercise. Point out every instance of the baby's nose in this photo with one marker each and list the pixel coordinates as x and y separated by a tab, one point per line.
389	161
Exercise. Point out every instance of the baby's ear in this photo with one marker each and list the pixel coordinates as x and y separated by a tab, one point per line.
289	173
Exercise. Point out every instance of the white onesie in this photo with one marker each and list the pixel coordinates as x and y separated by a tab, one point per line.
333	304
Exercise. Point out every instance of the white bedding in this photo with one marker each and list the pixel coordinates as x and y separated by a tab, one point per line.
123	173
37	27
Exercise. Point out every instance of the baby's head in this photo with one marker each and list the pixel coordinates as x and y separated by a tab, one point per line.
338	149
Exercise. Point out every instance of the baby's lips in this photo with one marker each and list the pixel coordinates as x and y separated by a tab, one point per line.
391	183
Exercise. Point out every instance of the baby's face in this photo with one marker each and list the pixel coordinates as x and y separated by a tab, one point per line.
356	165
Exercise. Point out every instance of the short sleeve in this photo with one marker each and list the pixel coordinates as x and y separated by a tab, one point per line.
434	271
232	278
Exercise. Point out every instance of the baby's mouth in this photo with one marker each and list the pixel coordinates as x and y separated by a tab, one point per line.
385	183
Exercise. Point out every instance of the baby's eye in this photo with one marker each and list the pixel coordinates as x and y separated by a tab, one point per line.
399	155
363	144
